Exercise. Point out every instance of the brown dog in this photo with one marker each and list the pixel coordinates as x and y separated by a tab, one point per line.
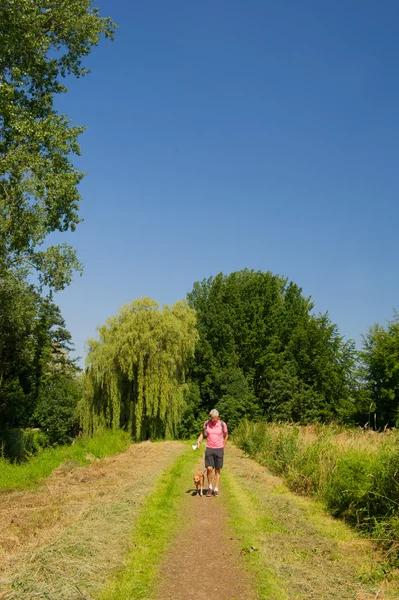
199	482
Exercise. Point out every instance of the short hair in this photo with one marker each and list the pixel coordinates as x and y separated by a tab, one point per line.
214	413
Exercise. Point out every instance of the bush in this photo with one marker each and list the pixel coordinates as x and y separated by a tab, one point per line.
56	410
19	444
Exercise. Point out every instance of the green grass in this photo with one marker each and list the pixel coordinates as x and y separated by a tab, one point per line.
31	473
155	530
248	520
291	546
353	472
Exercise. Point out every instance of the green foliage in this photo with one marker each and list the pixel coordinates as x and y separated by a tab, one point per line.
34	347
257	326
40	43
233	397
193	416
56	408
136	371
19	444
30	473
380	372
19	306
354	472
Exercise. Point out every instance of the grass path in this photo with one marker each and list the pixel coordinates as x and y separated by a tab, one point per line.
256	541
204	561
129	528
63	540
299	552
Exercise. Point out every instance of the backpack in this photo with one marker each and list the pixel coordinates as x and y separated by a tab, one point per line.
223	424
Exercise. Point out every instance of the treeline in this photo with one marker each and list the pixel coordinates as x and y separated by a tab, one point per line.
248	343
258	351
264	353
39	382
41	44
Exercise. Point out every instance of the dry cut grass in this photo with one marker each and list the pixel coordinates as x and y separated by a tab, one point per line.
62	540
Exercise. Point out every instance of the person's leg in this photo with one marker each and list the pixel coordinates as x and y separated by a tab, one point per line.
209	464
219	454
217	478
209	474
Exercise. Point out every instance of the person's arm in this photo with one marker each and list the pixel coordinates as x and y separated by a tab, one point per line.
226	437
200	438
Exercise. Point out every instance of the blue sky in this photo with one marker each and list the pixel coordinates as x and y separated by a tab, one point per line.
231	134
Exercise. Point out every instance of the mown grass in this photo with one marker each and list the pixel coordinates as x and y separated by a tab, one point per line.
248	519
291	546
32	472
155	530
355	473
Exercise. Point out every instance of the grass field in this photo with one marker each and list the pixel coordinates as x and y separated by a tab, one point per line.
104	530
84	450
355	473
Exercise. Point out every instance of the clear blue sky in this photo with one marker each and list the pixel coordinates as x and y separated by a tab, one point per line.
231	134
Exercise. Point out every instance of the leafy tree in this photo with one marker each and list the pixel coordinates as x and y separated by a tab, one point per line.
18	310
380	357
56	408
193	415
234	398
136	371
41	42
34	345
258	326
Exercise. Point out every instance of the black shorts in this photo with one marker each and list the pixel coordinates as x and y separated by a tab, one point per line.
214	457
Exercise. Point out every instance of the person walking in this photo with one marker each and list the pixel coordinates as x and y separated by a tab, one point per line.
216	434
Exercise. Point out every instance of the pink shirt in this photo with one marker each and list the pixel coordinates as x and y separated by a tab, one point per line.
215	434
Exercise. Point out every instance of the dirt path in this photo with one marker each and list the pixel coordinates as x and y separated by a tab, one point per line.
204	561
307	554
65	540
62	541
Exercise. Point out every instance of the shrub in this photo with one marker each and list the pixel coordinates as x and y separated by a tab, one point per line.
56	410
19	444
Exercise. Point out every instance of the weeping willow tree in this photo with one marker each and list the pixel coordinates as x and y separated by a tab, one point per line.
135	375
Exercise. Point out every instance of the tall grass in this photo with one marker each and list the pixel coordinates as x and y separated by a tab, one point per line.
30	473
354	472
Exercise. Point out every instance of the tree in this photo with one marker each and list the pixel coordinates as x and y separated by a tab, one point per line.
136	370
34	345
18	309
257	326
234	398
193	417
380	356
56	409
41	42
